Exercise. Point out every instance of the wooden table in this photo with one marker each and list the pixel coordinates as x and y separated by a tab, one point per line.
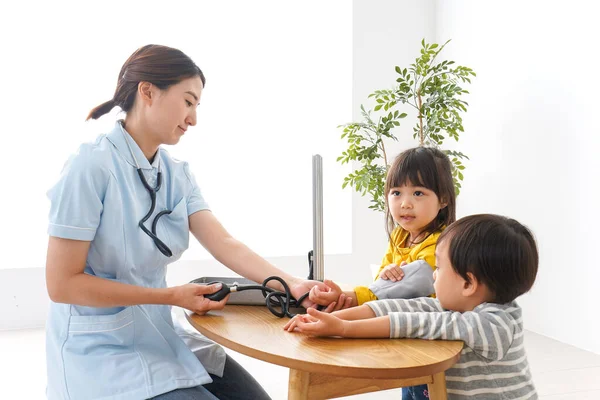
322	368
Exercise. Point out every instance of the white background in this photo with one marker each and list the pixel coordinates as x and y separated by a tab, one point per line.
277	88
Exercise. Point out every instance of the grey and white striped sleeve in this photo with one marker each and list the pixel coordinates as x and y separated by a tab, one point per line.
487	330
422	304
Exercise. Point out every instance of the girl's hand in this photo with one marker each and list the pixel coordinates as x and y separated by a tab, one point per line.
327	294
191	297
317	323
393	272
342	303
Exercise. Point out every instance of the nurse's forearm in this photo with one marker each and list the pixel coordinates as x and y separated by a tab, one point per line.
87	290
247	263
231	252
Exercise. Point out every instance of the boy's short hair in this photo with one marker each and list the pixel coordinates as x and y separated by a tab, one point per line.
499	251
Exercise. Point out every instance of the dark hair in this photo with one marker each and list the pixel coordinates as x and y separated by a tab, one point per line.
160	65
427	167
499	252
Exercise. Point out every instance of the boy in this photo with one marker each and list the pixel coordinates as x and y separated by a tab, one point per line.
484	262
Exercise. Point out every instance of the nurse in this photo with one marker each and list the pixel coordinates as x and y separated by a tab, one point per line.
120	213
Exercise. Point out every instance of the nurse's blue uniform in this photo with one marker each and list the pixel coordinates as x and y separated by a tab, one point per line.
132	352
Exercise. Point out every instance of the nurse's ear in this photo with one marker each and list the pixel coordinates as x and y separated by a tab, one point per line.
146	92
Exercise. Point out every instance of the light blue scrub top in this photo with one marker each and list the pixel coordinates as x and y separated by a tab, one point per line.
132	352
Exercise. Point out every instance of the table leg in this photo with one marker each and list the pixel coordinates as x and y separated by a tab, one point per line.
437	389
305	385
298	385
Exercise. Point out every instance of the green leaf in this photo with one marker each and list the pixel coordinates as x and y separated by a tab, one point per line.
439	103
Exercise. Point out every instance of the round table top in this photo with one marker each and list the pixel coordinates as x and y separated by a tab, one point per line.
255	332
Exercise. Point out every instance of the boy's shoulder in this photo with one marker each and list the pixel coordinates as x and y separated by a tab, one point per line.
512	309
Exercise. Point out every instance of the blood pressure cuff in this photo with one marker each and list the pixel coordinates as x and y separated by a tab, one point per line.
417	282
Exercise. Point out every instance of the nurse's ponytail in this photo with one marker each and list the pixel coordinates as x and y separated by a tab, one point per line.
102	109
160	65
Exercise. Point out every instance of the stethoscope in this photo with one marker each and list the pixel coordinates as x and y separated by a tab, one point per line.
273	298
152	190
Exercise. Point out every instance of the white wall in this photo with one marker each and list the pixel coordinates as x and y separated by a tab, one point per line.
270	82
533	138
386	33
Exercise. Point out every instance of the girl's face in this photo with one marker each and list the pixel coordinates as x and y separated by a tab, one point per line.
173	110
413	207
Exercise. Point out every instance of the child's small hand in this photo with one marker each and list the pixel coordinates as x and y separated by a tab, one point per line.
393	272
325	298
342	303
317	323
294	321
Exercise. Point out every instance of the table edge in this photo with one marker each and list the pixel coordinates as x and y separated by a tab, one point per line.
314	367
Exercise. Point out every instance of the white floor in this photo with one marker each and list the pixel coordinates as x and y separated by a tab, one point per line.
560	371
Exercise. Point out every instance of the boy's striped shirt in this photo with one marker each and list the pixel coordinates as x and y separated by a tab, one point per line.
493	364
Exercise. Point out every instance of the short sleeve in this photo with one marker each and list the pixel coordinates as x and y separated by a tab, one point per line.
77	198
195	200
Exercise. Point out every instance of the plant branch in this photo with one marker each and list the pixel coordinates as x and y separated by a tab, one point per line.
385	163
421	138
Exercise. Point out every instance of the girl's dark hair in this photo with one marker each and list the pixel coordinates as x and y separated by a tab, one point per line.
430	168
160	65
499	252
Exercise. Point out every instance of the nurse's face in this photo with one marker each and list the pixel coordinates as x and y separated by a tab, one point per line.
173	110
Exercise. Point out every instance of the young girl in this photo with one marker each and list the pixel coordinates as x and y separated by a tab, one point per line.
421	202
484	262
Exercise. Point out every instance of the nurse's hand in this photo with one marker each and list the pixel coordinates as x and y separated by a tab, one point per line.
300	287
191	297
336	302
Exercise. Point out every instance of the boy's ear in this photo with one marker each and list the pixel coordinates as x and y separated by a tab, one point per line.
470	287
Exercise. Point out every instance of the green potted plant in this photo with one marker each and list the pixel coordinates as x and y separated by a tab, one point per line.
431	87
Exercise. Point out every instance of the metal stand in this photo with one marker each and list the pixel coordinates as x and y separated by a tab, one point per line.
317	264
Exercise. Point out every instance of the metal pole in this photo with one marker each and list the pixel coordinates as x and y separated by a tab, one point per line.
318	258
